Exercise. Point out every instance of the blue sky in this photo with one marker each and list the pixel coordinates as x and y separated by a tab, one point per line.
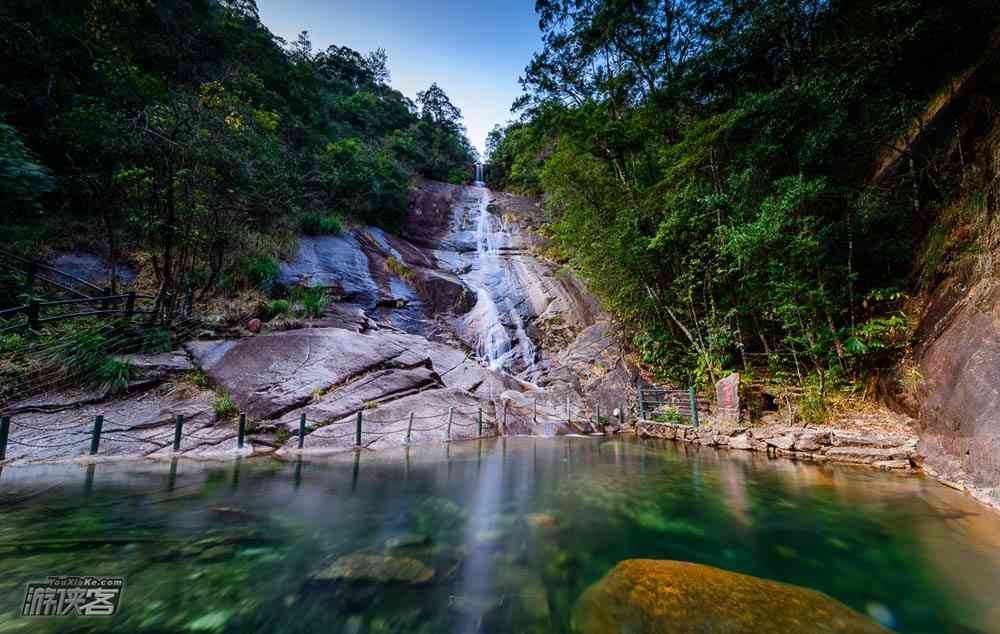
475	50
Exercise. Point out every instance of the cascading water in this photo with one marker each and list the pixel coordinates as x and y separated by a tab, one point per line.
497	289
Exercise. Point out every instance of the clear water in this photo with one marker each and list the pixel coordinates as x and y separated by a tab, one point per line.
515	529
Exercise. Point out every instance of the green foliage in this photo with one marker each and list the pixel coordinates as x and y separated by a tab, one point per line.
399	269
263	272
278	307
188	131
715	191
113	375
317	224
224	406
156	340
310	302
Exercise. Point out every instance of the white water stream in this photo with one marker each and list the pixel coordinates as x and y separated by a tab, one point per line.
503	343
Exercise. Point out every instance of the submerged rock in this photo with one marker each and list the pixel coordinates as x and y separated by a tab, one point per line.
661	597
370	568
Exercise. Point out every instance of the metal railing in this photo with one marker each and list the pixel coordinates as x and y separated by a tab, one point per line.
78	433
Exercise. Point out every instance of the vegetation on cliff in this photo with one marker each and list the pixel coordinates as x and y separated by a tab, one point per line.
707	166
186	131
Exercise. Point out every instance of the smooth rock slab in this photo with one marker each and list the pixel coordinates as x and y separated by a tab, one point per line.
270	374
646	596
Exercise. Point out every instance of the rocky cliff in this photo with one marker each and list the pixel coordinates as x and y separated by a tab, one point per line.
951	381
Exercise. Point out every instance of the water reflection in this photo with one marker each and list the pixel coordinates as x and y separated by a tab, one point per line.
513	531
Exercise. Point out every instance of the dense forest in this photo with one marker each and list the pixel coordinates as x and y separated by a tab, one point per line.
185	134
707	166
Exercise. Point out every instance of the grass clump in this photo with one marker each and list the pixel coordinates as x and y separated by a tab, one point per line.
310	302
225	407
398	268
319	225
278	307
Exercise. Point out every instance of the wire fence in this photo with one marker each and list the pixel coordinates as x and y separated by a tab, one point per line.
90	434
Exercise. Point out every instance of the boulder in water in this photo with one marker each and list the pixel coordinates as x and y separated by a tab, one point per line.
372	568
654	596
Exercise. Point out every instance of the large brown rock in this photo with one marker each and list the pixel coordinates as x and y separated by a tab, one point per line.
959	357
661	597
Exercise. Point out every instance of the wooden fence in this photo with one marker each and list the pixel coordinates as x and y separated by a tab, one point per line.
94	300
653	401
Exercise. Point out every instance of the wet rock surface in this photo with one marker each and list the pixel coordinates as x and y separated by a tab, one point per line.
645	596
412	319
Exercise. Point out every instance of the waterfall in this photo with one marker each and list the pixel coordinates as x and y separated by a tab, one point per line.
498	293
479	174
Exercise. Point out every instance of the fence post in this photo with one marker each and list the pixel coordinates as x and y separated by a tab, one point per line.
534	411
479	418
130	307
243	430
32	271
302	430
357	433
95	441
178	427
694	405
451	414
642	405
409	429
4	433
33	316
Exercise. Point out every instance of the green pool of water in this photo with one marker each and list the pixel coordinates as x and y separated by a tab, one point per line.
514	531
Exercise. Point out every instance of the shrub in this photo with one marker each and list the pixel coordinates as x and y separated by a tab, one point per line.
263	272
278	307
157	340
224	406
113	375
396	267
317	225
311	302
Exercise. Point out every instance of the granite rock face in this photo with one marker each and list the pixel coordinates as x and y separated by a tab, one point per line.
959	358
644	596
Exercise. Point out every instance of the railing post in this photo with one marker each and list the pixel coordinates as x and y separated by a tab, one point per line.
694	406
357	433
95	441
451	415
178	427
243	430
33	316
302	430
32	271
642	405
409	429
130	306
479	418
4	433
